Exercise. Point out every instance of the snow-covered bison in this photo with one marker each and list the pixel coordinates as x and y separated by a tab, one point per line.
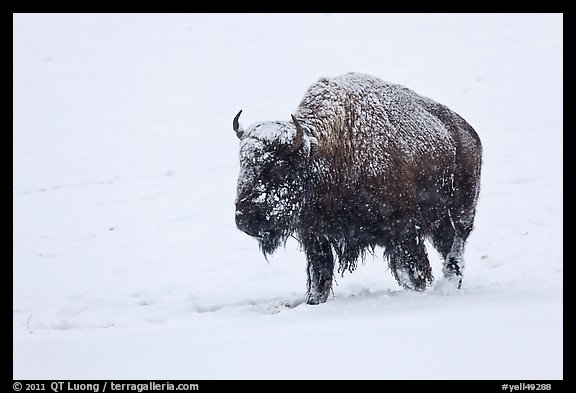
362	163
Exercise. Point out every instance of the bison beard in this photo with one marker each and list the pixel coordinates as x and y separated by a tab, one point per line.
363	163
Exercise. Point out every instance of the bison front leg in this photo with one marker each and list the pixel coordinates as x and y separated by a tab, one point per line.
320	269
409	261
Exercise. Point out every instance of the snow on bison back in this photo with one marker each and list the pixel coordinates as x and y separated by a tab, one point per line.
362	163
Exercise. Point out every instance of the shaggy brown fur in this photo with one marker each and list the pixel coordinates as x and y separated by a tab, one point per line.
369	164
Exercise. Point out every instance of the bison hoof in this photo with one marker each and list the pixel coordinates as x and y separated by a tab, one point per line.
415	282
454	281
448	286
315	299
418	286
453	274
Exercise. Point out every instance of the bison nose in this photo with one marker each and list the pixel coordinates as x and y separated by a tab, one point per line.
247	223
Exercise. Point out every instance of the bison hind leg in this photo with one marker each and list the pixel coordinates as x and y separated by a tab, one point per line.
449	238
409	262
453	263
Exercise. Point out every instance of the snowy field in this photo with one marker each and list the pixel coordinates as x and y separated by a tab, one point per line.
127	263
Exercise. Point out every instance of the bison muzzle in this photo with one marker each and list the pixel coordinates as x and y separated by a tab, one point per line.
362	163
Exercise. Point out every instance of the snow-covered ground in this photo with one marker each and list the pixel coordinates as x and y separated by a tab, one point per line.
127	262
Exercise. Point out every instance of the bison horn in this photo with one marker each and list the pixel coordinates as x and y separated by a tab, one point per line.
298	139
236	126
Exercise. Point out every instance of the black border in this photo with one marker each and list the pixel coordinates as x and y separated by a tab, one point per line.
459	386
287	6
34	6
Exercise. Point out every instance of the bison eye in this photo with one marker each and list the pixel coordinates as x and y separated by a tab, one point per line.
274	173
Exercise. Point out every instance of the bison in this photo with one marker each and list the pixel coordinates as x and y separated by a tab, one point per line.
362	163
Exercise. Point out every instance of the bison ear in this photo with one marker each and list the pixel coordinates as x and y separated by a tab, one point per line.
236	126
298	139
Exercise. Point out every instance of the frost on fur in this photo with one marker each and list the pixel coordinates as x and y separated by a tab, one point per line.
363	163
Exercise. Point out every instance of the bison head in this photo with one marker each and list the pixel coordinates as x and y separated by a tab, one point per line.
271	184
